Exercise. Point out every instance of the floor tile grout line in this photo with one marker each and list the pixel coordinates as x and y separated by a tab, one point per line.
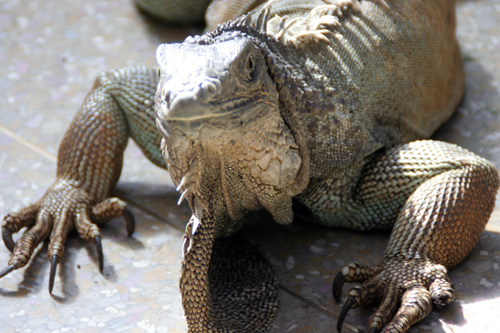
28	144
317	307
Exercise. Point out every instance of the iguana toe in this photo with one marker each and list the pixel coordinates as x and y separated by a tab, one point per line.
415	305
14	222
7	270
387	308
100	255
24	247
338	284
54	260
352	273
442	292
348	305
129	221
110	208
7	238
87	224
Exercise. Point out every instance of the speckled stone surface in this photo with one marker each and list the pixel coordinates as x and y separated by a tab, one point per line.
50	53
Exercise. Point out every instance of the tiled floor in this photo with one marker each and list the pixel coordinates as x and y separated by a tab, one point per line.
51	51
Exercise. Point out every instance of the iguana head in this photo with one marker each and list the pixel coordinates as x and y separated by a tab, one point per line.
219	112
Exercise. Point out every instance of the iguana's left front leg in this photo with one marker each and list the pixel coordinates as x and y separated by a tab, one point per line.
447	196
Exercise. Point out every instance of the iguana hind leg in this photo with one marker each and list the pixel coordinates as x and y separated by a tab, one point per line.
437	227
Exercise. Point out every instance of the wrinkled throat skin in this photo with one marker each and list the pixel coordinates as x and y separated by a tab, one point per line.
229	151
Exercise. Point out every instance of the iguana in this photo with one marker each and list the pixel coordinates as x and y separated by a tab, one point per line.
313	105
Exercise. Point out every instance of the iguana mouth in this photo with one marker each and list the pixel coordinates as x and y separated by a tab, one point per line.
233	113
220	110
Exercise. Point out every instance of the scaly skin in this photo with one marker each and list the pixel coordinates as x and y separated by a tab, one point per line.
320	102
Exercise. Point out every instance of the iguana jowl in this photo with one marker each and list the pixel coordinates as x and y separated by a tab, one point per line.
316	102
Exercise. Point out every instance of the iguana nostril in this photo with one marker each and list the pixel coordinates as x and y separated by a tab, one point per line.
208	88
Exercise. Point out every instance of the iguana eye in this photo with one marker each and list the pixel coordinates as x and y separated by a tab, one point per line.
250	67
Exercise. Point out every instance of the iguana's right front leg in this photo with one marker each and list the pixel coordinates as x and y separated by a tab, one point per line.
89	164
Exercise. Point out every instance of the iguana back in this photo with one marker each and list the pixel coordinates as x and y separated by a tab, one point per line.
374	73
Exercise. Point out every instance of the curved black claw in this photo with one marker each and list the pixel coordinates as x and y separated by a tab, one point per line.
338	283
100	255
53	268
130	220
7	270
7	238
373	330
349	303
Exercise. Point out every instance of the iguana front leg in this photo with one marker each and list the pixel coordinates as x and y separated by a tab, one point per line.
451	197
119	106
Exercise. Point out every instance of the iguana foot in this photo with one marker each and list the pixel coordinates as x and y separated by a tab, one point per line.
406	289
61	209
